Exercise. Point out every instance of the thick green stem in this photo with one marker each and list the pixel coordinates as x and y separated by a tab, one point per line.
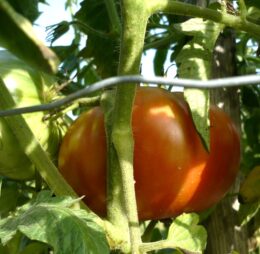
115	210
179	8
134	18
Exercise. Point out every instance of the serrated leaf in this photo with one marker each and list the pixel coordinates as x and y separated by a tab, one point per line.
57	30
103	50
185	233
204	31
18	36
195	62
52	220
61	201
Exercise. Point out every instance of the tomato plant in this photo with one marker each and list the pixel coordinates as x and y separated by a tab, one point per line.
154	144
173	171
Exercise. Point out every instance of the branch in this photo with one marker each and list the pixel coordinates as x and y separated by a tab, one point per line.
163	244
179	8
113	16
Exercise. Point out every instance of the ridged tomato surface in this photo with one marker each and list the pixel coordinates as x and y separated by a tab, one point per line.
173	171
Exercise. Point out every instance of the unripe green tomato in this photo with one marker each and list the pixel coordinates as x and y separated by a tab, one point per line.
27	87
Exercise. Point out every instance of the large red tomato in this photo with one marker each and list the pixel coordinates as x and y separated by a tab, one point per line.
173	171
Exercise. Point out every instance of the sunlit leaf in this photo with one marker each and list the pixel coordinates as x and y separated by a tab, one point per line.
18	36
185	233
54	220
195	62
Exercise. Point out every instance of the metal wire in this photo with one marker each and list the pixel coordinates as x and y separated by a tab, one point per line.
120	80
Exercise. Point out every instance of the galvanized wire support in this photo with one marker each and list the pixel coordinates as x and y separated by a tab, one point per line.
120	80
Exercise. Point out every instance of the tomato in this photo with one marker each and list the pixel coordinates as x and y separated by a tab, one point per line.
173	171
27	87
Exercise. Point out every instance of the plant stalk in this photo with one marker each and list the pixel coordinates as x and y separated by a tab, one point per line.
180	8
134	18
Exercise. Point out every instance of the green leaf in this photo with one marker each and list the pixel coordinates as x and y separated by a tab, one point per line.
3	250
255	3
215	4
250	187
247	212
8	199
57	30
26	87
18	36
59	223
27	8
103	50
253	14
250	96
186	234
159	60
195	62
35	248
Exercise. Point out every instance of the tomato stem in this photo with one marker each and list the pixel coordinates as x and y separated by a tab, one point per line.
121	191
162	244
180	8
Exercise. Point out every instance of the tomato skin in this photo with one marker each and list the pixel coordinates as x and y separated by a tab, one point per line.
173	171
82	159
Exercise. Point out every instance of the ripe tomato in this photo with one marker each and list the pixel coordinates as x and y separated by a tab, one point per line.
173	171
